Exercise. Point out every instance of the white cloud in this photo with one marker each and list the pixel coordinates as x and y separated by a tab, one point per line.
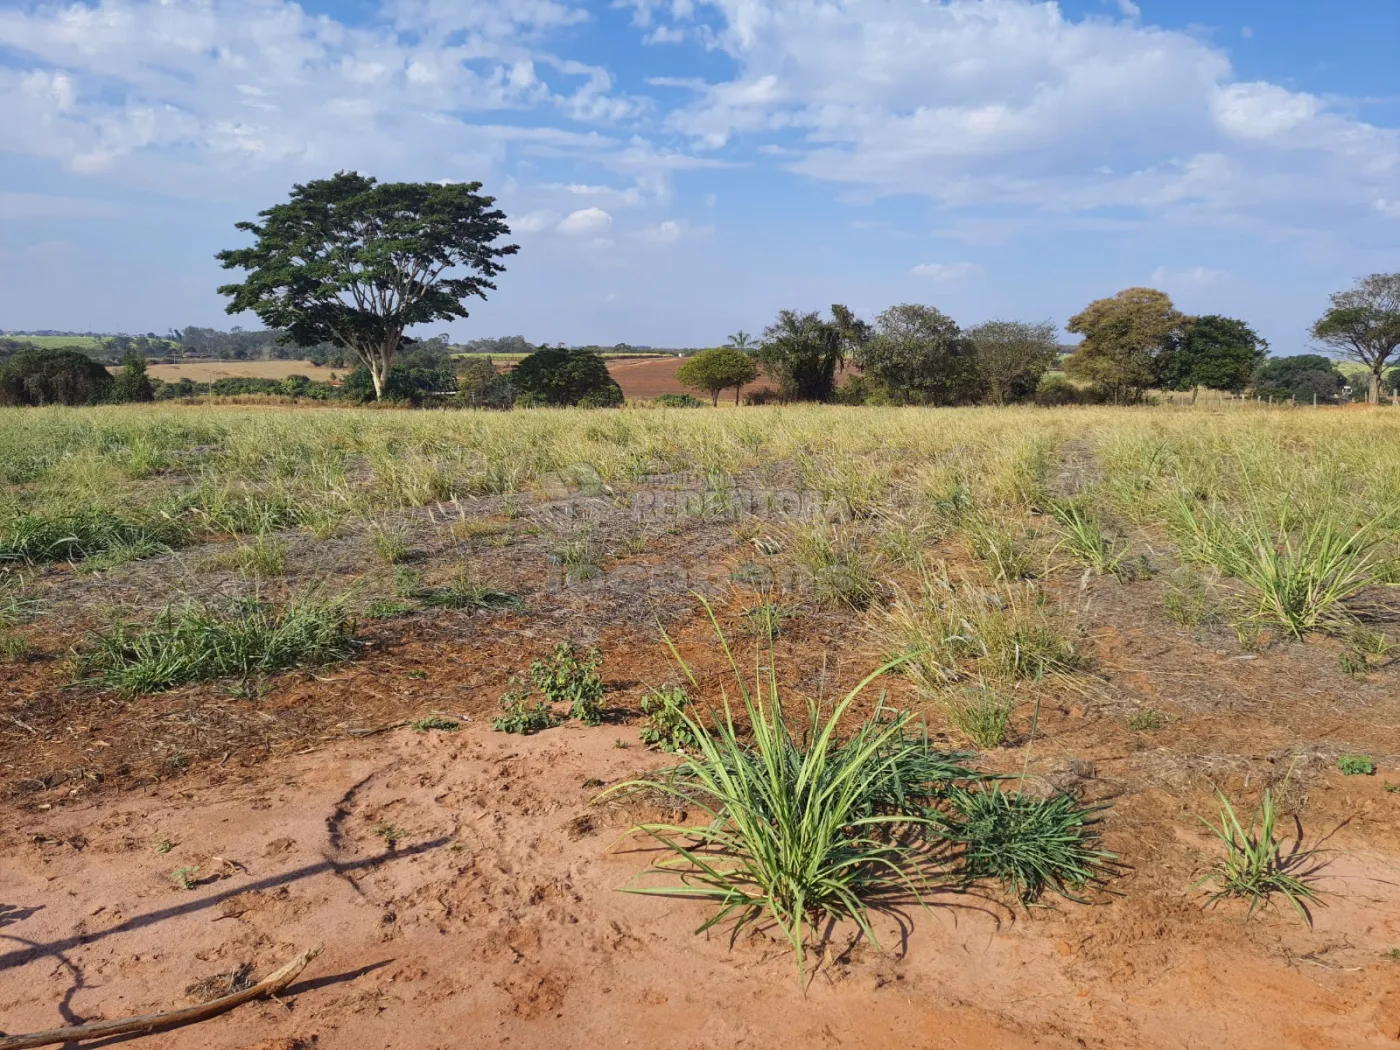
586	222
534	222
1390	209
668	231
1192	277
1028	107
945	272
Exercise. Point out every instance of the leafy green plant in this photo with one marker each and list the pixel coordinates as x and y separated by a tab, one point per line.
569	676
520	715
1030	844
1356	765
390	833
667	727
195	644
1255	867
802	828
185	878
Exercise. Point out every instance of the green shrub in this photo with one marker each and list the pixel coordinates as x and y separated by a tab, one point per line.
667	727
571	677
679	401
53	377
558	376
1356	765
519	715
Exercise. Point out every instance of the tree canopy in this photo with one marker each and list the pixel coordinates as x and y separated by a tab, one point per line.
1013	355
53	377
717	369
1124	339
1213	351
803	353
356	262
921	357
1302	376
558	376
1363	324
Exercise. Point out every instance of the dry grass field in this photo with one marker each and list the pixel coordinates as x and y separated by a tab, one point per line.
253	662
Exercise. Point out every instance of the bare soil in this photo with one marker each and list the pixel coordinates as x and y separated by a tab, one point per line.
466	884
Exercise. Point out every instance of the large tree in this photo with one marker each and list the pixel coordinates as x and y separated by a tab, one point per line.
1363	324
1305	377
921	356
557	376
1213	351
1013	355
64	376
353	261
717	369
1125	338
803	353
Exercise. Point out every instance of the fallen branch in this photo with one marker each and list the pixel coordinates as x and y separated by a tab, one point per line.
270	985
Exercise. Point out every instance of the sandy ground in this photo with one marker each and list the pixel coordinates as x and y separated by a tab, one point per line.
495	921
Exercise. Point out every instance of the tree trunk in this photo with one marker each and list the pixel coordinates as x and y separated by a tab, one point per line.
736	394
1373	393
377	374
714	398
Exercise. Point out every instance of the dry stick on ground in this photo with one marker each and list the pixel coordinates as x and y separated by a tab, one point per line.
270	985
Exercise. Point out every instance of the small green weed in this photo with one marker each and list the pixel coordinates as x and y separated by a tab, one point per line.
439	723
1187	601
388	608
1356	765
390	833
764	621
185	878
463	591
520	715
1146	720
668	727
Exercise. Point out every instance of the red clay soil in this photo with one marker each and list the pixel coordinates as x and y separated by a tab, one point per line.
492	918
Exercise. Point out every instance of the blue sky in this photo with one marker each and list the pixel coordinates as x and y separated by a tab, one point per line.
675	170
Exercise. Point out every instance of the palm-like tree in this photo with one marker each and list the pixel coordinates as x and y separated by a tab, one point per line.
741	340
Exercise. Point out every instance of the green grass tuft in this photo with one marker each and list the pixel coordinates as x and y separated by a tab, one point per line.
195	644
1030	844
